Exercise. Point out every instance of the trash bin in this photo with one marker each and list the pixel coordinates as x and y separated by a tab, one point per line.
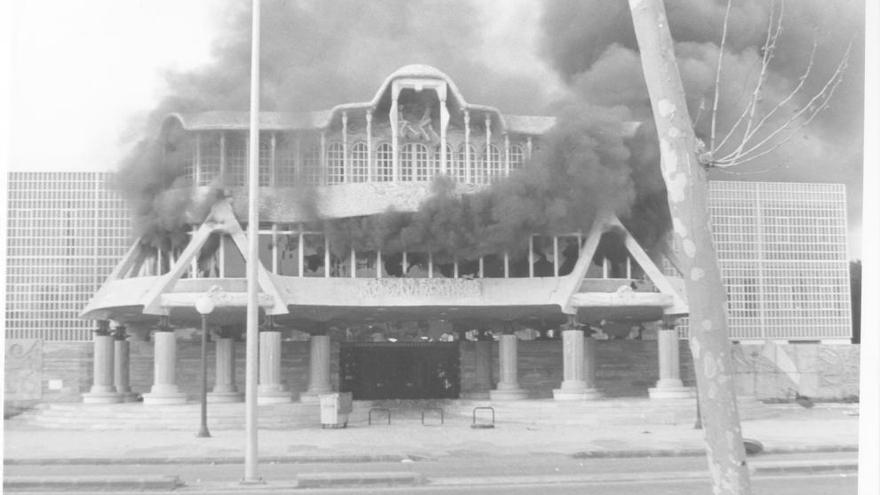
335	409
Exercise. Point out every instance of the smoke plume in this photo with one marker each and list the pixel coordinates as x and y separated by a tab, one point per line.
592	45
314	55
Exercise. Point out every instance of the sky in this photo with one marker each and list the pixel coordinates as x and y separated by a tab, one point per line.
87	73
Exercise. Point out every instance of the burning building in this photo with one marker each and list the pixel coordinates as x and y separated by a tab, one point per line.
404	235
345	247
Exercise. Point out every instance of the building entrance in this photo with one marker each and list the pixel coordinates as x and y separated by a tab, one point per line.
400	370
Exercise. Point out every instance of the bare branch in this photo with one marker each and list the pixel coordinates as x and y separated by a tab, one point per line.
718	75
811	109
766	56
792	94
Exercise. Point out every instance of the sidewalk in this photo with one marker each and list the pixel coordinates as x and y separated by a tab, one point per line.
825	428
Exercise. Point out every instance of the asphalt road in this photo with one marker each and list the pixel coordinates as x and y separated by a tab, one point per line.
446	474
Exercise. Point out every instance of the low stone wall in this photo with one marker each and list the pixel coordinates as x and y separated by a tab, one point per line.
778	371
39	371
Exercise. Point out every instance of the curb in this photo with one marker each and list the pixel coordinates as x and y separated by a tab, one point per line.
90	483
297	459
611	454
330	480
805	467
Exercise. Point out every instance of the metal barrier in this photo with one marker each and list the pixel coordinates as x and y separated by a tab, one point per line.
374	409
438	409
483	425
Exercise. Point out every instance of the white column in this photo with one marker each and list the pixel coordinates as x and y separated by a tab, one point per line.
121	371
444	123
224	376
103	390
346	165
371	172
319	368
669	386
323	153
490	177
468	174
506	155
164	390
395	144
508	385
270	389
577	365
197	161
273	163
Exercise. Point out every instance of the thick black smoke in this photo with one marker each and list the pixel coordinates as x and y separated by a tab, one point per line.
314	55
587	162
592	45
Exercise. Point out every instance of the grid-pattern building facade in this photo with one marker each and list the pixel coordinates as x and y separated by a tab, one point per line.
66	232
782	248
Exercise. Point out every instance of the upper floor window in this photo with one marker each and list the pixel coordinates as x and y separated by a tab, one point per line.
384	163
360	171
494	167
464	158
265	161
311	164
285	162
517	157
236	161
335	163
209	158
414	162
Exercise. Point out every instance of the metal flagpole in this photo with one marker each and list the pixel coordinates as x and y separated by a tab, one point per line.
250	453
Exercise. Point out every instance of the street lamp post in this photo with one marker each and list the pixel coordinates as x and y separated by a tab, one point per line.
204	305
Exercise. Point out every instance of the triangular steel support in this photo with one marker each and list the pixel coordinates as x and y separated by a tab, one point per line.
220	219
604	222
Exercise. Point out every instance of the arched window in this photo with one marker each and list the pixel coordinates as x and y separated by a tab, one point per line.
494	167
479	172
414	162
311	172
209	155
335	163
460	173
285	161
265	161
360	171
384	163
517	157
236	160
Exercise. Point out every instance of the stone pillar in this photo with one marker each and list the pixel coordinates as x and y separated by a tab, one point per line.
270	389
669	386
103	390
121	362
164	390
224	376
508	385
319	368
578	362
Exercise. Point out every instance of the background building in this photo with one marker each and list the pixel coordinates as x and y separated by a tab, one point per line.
66	231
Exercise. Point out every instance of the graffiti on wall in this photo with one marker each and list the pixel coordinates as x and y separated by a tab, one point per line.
24	369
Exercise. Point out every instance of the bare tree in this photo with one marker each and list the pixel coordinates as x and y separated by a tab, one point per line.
686	186
757	133
684	163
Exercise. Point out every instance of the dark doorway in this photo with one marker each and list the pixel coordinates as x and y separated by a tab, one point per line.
400	370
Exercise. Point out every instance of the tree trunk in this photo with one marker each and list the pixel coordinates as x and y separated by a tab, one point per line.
686	186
